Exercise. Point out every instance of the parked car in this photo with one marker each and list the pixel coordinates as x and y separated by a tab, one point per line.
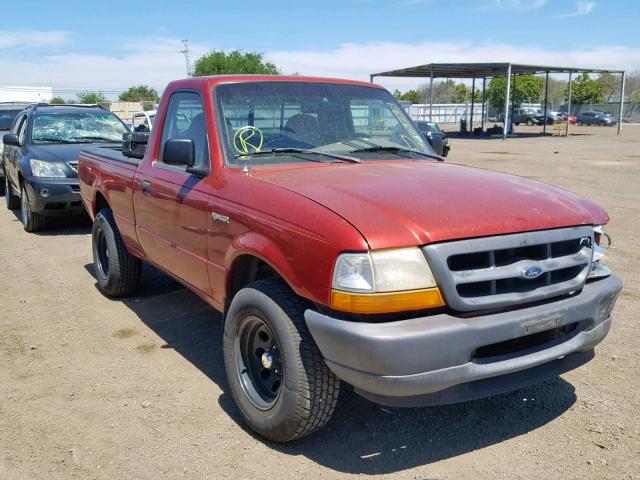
341	251
529	116
8	112
436	137
551	117
143	121
595	118
40	158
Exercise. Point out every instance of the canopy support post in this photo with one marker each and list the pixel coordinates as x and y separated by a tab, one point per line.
621	103
506	100
431	96
473	94
569	101
484	85
546	96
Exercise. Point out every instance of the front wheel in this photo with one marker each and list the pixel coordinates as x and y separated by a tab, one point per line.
278	378
529	122
31	221
117	271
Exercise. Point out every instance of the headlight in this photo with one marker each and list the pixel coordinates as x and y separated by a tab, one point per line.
40	168
598	269
384	281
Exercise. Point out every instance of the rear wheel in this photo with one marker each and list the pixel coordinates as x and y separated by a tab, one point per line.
31	221
117	271
10	198
278	378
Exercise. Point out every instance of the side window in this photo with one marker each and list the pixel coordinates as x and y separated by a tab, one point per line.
21	125
185	119
17	124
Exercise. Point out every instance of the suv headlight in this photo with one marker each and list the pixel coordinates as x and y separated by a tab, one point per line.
601	239
384	281
40	168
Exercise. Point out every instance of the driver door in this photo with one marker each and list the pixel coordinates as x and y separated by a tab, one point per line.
171	205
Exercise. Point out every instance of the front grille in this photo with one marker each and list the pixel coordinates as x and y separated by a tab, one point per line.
490	272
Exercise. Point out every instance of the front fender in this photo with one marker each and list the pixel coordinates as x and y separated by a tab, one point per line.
259	246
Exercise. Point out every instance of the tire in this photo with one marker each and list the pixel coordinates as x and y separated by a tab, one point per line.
307	391
516	123
579	123
529	122
10	198
31	221
117	271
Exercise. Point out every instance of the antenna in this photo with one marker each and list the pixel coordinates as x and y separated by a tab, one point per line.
186	52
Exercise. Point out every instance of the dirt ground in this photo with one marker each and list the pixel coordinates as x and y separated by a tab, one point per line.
135	389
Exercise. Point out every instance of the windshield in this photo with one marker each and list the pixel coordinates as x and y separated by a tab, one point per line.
320	118
6	118
77	127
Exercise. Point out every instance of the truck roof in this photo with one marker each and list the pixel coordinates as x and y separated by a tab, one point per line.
213	80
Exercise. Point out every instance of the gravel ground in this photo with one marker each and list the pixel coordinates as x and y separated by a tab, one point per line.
135	389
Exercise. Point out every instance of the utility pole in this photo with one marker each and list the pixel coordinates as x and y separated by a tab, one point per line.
186	52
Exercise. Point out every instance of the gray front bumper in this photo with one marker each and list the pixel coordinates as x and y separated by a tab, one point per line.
421	356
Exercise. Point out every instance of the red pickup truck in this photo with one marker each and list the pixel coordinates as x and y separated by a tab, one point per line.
340	248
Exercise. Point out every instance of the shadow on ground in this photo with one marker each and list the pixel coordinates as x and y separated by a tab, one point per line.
362	437
76	225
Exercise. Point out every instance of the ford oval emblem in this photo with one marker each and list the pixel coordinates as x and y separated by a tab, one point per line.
531	272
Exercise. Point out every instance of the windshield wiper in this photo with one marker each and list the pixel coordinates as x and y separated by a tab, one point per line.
53	139
343	158
96	137
380	148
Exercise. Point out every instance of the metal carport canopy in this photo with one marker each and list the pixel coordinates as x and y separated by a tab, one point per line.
504	69
479	70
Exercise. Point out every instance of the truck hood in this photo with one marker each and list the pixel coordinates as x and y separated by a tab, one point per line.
414	203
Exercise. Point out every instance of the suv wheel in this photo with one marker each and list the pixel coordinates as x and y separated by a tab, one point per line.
529	122
117	271
31	221
10	199
278	378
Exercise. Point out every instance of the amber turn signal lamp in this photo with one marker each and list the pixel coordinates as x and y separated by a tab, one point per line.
371	303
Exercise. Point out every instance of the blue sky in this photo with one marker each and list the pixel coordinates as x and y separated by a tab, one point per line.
113	44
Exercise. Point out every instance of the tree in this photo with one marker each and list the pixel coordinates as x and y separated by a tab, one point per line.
238	62
555	93
411	96
141	93
462	95
57	101
525	88
91	97
634	97
585	90
610	87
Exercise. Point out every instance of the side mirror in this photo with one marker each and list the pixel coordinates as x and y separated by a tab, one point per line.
11	139
179	151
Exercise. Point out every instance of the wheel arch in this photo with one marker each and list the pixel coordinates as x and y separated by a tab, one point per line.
255	258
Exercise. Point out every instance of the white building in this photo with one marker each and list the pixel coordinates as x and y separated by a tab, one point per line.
25	93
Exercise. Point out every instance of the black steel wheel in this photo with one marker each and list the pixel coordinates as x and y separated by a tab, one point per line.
258	362
277	375
117	271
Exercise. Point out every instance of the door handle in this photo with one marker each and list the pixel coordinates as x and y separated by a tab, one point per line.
146	187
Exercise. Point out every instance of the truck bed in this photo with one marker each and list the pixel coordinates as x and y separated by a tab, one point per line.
105	171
